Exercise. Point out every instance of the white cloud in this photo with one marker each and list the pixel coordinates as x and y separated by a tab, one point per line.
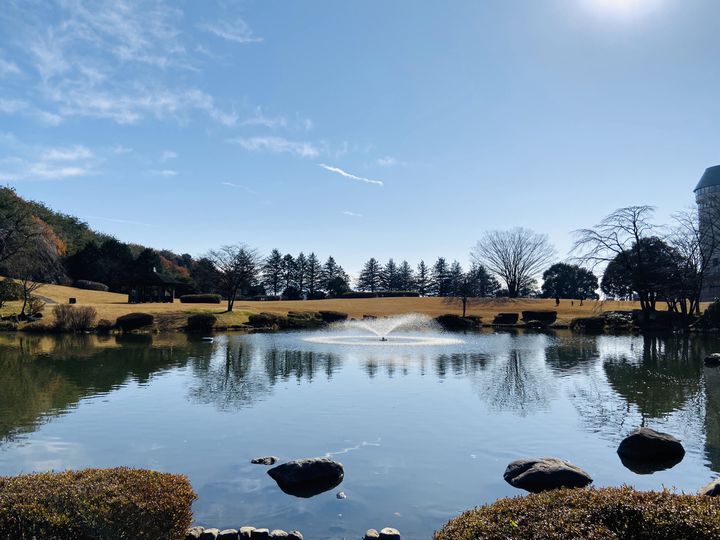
387	161
277	145
237	31
259	119
239	186
352	214
339	171
52	172
8	68
168	155
67	154
22	107
120	149
164	172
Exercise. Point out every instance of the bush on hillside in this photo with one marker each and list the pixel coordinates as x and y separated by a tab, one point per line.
201	299
506	318
201	322
453	322
9	291
95	503
593	514
588	324
134	321
70	318
91	285
297	320
267	320
332	316
546	317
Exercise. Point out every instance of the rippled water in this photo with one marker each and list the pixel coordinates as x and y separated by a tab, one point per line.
424	432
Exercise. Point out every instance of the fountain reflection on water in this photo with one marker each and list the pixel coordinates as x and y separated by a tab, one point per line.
412	329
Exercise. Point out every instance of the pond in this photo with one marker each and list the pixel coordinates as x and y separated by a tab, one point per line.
423	432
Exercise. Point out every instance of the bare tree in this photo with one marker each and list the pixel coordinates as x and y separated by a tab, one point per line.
237	267
516	256
622	237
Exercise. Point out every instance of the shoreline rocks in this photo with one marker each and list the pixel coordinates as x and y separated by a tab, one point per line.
265	460
244	533
537	475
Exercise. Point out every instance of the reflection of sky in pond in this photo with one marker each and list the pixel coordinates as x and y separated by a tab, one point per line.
423	432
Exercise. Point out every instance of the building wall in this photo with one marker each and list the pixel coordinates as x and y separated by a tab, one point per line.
708	201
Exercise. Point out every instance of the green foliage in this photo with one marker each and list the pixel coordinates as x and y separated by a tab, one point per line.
592	514
134	321
201	299
563	280
9	291
201	322
90	285
96	503
267	320
69	318
506	318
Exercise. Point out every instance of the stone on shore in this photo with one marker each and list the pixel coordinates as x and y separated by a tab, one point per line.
712	360
537	475
278	533
712	489
228	534
388	533
261	534
246	533
371	534
646	443
295	535
265	460
210	534
194	533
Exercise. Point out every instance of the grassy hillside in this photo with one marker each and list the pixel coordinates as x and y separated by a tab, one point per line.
111	305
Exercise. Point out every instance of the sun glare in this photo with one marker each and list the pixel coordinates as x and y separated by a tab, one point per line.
624	8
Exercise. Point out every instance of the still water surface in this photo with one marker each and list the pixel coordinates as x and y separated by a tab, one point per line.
423	432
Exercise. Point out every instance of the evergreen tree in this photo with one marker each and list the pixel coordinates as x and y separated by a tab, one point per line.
456	279
484	284
422	279
370	277
300	272
440	283
389	276
288	271
313	272
272	272
334	280
406	278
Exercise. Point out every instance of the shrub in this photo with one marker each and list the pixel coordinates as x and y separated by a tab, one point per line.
332	316
543	317
95	503
594	514
134	321
450	321
201	322
74	319
506	318
91	285
304	319
35	306
201	299
9	291
588	324
104	326
267	320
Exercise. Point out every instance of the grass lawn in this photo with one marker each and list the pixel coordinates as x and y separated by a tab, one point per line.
112	305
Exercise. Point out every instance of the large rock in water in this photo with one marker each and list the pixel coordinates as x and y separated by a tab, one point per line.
646	451
308	477
536	475
712	489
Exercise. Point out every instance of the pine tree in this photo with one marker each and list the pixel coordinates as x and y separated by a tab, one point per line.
456	279
313	273
406	278
389	276
439	283
370	276
334	280
272	272
288	271
422	279
300	272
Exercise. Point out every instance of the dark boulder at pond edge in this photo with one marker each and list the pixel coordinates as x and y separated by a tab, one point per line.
712	360
646	451
537	475
265	460
712	489
308	477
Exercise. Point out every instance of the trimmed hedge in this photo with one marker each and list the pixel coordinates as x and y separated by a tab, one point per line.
451	321
90	285
95	503
134	321
201	322
506	318
594	514
333	316
543	317
201	299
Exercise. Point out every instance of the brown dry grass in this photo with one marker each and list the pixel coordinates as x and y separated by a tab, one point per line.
112	305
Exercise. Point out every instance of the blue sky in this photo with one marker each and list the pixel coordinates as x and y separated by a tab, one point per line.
357	128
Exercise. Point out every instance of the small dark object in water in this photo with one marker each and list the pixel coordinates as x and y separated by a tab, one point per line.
383	338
